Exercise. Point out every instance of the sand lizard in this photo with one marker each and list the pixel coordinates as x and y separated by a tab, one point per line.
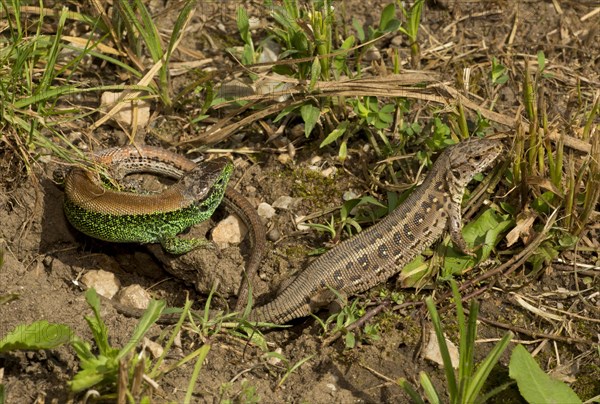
381	251
118	216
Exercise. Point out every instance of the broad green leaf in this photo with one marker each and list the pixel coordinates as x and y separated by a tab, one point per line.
544	254
38	335
541	61
387	15
97	370
287	110
347	207
151	314
343	153
543	203
482	234
360	32
350	340
347	44
335	134
534	384
415	274
310	114
243	24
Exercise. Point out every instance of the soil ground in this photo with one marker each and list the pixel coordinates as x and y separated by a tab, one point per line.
44	256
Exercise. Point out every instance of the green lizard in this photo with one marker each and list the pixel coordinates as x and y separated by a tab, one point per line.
111	215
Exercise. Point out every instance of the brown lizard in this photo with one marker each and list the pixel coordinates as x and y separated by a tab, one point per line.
381	251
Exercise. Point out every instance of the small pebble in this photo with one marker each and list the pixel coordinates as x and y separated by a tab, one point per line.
372	54
273	235
134	296
265	210
284	158
329	172
105	283
349	195
296	131
156	350
230	230
315	160
125	116
283	202
254	23
274	360
281	141
300	225
270	51
291	150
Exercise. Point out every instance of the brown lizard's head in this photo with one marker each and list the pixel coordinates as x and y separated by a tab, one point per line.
471	157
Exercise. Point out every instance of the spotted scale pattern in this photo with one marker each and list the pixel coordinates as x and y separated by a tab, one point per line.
381	251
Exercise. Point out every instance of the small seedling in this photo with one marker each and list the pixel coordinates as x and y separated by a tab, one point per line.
464	387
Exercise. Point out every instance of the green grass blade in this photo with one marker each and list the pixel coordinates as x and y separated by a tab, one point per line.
180	24
484	369
293	368
410	391
448	370
430	392
43	96
96	324
49	71
202	352
152	313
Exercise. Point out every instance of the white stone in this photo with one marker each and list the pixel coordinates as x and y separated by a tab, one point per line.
314	160
300	225
329	172
265	210
274	360
134	296
349	195
432	351
283	202
230	230
156	350
284	158
105	283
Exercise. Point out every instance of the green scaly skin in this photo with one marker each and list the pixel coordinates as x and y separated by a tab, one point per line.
159	227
